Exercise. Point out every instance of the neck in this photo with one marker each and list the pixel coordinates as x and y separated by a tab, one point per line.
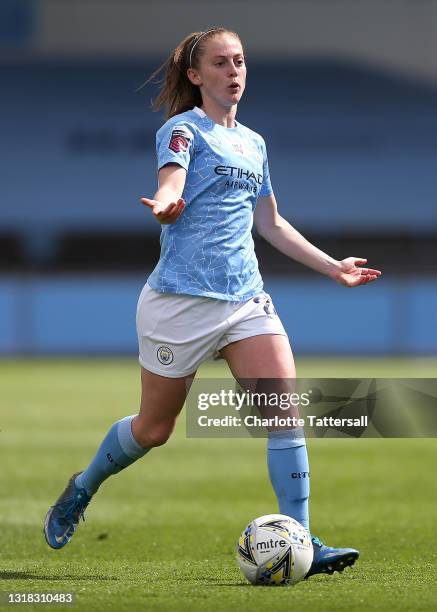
219	114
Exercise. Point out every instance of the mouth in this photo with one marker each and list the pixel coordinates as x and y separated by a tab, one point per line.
234	87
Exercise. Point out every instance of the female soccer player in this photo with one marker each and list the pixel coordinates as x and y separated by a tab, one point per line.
206	293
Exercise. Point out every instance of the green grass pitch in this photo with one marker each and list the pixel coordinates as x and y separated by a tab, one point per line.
161	535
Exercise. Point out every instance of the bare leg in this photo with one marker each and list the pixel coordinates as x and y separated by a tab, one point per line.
162	399
264	356
264	363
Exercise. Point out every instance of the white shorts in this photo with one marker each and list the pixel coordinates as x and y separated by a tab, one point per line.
178	332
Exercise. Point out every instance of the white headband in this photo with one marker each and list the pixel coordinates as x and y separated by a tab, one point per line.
197	40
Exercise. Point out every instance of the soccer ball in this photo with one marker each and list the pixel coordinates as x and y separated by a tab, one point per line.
274	549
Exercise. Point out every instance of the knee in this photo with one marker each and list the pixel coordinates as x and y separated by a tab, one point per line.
156	437
152	436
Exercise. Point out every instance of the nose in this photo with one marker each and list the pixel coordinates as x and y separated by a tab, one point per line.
232	69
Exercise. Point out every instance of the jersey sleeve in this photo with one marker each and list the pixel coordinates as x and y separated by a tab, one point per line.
266	187
174	144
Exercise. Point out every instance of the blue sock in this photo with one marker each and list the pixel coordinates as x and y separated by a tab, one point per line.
118	450
287	459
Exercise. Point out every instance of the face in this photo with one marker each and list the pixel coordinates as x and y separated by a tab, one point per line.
221	75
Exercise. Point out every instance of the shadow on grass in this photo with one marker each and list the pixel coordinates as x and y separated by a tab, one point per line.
6	575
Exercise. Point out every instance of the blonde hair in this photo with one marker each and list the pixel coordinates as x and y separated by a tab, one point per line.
178	94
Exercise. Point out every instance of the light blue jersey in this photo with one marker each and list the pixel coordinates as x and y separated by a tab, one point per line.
209	251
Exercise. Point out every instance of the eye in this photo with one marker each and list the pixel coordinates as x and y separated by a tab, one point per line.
219	63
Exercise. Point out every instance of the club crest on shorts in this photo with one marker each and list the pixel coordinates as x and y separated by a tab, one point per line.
164	355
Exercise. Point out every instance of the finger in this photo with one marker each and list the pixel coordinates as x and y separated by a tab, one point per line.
147	202
175	214
356	282
370	271
368	279
180	204
164	212
374	272
372	276
170	218
359	260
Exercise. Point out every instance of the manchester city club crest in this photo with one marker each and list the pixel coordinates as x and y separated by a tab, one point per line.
165	355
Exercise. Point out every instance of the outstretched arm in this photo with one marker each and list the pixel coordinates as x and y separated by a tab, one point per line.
167	204
276	230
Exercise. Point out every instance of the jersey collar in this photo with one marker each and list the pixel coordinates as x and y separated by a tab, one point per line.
202	114
199	111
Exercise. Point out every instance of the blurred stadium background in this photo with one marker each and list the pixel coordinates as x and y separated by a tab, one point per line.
345	94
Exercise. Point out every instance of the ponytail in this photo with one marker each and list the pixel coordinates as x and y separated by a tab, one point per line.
178	94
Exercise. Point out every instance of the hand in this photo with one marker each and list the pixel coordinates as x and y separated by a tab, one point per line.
349	273
165	213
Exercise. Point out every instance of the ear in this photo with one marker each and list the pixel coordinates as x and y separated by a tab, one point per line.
194	76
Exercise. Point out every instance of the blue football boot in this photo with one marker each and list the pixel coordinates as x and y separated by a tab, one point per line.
62	519
328	560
